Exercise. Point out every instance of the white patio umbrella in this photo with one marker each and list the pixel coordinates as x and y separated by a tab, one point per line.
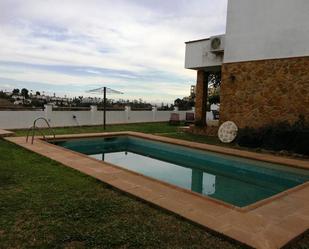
103	90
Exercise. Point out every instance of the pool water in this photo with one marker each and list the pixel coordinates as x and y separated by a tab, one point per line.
234	180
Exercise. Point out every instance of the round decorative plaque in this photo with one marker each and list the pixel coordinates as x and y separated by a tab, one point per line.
227	132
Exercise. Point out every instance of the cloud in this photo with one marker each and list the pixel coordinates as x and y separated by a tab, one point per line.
129	43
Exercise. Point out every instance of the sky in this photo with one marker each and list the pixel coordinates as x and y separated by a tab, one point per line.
135	46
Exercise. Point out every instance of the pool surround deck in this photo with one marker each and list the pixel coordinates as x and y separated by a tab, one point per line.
270	223
4	133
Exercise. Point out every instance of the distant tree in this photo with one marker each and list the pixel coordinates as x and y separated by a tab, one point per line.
184	104
177	102
38	103
165	107
215	79
15	91
214	99
37	93
76	101
25	93
3	95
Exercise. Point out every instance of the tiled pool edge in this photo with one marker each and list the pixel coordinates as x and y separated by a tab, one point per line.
5	133
302	164
213	148
254	228
172	141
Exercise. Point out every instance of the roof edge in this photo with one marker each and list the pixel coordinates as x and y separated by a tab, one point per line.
205	39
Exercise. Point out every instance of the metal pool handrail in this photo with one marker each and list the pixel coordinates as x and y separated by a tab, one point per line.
32	128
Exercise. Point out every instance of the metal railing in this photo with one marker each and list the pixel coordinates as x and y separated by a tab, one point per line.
33	127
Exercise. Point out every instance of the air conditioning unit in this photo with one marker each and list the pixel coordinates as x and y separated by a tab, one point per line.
217	44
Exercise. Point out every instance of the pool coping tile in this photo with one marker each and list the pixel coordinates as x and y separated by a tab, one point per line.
5	133
266	224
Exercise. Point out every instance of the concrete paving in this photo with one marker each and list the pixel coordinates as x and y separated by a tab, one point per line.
4	133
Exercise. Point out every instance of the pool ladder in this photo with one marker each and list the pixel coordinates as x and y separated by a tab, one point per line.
33	128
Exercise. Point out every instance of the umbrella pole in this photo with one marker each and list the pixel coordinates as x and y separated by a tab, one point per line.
104	109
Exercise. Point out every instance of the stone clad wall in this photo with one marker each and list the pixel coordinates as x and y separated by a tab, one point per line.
258	93
201	97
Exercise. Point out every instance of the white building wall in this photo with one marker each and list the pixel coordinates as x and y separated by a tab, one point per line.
162	115
113	117
18	119
266	29
141	116
198	55
24	119
65	118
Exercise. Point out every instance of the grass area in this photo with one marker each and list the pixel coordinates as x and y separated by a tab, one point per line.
46	205
163	129
144	127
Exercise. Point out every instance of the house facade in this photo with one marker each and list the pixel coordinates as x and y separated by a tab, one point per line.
264	63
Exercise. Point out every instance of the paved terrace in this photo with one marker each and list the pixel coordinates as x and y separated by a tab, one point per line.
271	223
4	133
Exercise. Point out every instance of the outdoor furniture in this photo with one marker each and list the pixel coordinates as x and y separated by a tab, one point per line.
216	114
189	118
174	119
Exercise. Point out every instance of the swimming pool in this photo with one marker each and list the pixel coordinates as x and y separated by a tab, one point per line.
231	179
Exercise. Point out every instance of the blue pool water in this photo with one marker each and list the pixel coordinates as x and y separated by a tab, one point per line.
234	180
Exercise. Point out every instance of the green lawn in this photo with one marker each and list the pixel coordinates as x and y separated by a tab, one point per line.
145	127
46	205
163	129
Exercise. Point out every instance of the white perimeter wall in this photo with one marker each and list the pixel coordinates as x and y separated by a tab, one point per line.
266	29
18	119
24	119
